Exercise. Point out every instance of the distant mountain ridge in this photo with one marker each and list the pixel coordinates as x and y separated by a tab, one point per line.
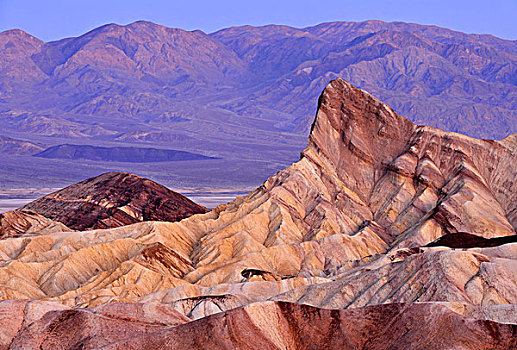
91	71
247	88
117	154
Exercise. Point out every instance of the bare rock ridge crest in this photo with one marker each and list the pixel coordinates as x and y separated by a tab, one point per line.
342	248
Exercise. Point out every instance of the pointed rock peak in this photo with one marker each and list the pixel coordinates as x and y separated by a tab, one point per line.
352	119
135	27
106	28
17	33
151	27
146	25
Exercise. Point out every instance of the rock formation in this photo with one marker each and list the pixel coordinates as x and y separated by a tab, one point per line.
16	223
14	146
112	200
384	234
268	325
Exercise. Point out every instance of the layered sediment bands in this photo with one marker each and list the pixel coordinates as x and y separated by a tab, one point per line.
270	325
290	326
378	216
112	200
15	223
481	277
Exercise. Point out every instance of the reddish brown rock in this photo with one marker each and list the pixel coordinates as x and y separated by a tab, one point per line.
114	199
274	326
160	258
466	240
89	329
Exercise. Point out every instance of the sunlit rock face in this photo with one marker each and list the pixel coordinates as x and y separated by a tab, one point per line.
380	225
17	223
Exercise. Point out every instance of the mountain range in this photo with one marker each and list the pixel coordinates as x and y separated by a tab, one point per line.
383	235
244	96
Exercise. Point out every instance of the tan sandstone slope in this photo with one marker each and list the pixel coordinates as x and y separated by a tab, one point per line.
346	227
16	223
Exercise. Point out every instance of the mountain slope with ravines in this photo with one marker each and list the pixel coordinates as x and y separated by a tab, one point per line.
245	95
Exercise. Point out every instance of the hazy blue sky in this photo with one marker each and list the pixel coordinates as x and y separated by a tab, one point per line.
55	19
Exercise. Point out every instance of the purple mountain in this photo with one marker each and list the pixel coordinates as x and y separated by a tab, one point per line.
245	95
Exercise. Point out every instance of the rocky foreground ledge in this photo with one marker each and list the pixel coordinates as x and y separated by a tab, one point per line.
264	325
384	234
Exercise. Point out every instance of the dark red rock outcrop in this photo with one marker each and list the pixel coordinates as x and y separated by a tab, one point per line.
467	240
114	199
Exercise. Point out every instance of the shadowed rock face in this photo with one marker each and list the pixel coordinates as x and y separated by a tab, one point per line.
114	199
353	227
466	240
